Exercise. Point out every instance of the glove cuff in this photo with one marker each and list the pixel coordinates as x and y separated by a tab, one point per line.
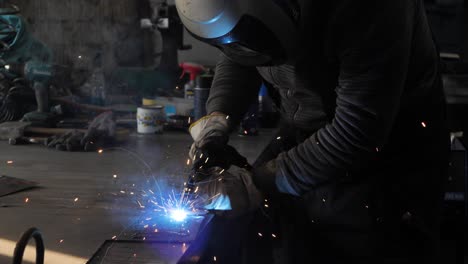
265	177
216	126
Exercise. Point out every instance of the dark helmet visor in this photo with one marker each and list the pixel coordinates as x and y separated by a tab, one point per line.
249	43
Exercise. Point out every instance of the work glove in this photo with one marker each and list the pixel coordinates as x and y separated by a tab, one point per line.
210	148
70	141
264	177
229	192
100	133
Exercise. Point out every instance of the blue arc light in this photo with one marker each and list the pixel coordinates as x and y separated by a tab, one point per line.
178	215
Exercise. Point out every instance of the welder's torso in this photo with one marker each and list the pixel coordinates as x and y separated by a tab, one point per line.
405	180
306	103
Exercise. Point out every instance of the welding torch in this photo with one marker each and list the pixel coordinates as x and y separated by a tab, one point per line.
198	175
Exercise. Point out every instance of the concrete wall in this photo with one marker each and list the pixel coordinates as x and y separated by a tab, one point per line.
200	53
91	34
87	28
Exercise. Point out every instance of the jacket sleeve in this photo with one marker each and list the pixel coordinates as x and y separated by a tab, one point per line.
234	88
374	58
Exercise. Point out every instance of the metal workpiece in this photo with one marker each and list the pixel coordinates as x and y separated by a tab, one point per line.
151	241
220	239
138	252
28	140
215	238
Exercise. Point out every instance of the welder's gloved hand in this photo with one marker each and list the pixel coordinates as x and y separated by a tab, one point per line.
210	148
265	178
217	155
101	132
230	192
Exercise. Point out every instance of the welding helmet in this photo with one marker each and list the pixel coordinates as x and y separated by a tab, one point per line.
250	32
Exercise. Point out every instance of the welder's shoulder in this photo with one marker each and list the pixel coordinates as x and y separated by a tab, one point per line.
378	6
367	13
372	23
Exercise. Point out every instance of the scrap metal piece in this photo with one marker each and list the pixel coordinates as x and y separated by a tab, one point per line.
13	129
137	252
9	185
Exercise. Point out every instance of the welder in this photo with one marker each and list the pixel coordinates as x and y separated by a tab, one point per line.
356	170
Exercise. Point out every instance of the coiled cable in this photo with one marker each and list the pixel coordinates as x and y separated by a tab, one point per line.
23	242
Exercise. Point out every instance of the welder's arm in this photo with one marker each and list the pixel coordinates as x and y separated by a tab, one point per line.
234	88
371	81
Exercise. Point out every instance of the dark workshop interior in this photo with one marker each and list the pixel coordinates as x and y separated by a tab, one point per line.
233	131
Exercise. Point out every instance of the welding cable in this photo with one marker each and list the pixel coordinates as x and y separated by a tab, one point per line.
5	116
3	107
4	46
7	111
4	84
23	242
11	109
10	115
19	80
3	113
16	89
9	25
3	103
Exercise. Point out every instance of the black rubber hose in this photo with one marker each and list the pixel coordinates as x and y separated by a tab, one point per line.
15	89
3	114
10	116
23	242
11	108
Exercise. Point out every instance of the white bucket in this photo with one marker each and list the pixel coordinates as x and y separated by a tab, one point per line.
150	119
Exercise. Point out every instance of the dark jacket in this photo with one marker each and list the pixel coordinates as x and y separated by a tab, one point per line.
365	143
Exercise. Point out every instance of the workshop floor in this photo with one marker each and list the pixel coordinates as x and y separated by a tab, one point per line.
79	204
